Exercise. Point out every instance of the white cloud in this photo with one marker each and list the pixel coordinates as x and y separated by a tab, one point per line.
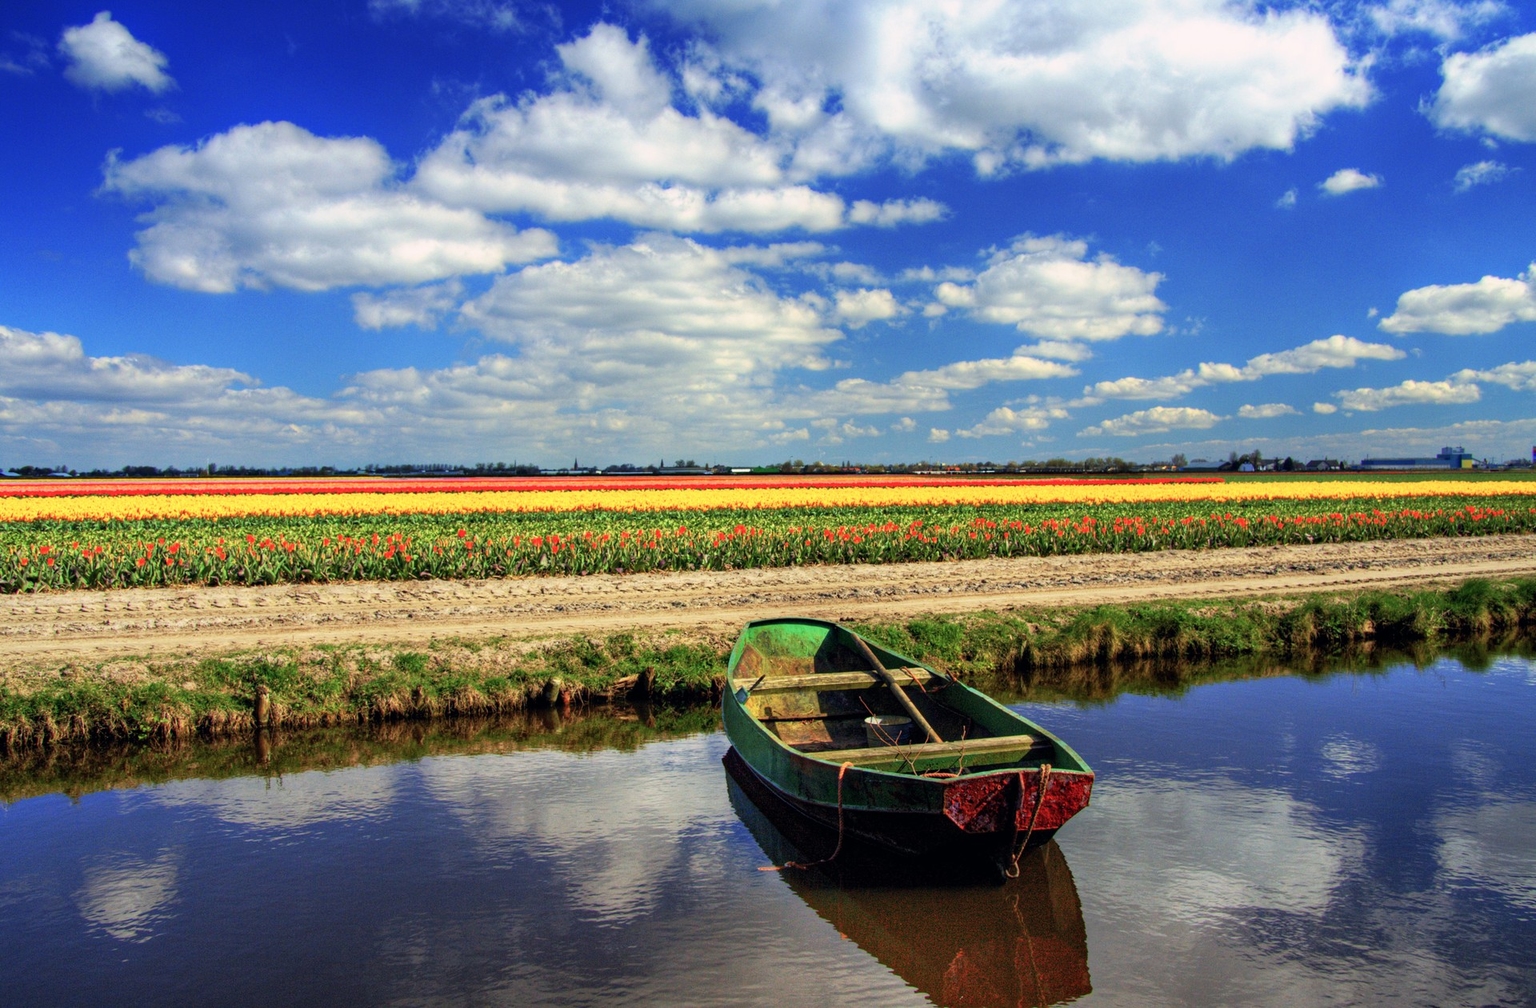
1287	200
928	274
976	373
275	205
54	395
104	55
1167	387
1486	306
1492	91
422	307
1006	420
1347	180
937	435
663	320
1156	420
1047	287
894	212
1481	173
609	143
54	366
1409	393
858	307
1442	19
1266	411
1518	376
1324	408
1033	84
1335	351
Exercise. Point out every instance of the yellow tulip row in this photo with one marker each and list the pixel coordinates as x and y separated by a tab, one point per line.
132	508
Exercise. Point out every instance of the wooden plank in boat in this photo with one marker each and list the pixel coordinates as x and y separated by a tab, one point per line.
830	681
930	750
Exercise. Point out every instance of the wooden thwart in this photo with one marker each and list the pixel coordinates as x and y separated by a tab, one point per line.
822	681
930	750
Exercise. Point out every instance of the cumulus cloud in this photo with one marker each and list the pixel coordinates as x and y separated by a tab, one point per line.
274	205
1439	18
1347	180
1480	173
937	435
1335	351
976	373
1266	411
1324	408
53	394
1006	420
609	142
1408	393
1033	84
622	351
105	56
858	307
1491	91
663	317
54	366
1287	200
894	212
1156	420
1048	287
1519	376
422	307
1486	306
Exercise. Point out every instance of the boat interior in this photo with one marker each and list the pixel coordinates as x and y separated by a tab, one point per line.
813	688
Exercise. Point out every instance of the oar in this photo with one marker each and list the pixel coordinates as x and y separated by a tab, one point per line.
880	672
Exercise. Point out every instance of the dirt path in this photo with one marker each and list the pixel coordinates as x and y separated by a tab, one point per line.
89	625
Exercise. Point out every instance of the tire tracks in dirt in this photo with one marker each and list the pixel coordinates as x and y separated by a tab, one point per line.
100	626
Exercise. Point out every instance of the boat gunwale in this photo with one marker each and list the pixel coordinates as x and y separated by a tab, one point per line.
740	694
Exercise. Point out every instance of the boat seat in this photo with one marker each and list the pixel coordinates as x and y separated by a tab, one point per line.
822	681
932	750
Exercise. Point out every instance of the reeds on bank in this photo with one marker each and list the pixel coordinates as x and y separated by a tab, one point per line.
1081	654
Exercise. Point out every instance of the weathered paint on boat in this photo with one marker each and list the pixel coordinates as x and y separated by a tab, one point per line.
1008	786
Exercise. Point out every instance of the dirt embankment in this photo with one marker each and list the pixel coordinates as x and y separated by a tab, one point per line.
89	625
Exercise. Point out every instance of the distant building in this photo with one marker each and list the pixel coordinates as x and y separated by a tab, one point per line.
1324	465
1449	458
1201	465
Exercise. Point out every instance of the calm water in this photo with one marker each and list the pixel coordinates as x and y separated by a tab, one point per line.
1361	839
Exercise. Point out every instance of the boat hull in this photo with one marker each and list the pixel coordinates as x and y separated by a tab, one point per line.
911	833
970	808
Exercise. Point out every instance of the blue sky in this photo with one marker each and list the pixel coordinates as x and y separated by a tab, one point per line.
749	230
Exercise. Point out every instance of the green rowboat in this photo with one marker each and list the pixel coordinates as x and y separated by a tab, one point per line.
821	716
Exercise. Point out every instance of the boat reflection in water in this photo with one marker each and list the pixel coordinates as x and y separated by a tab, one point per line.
960	940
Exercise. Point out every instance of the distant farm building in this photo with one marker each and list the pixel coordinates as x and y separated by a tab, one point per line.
1449	458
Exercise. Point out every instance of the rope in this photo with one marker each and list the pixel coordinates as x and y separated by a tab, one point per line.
1018	851
835	850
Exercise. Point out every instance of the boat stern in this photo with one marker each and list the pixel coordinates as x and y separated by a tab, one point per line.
1037	800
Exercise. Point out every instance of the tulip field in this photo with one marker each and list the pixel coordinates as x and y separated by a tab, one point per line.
58	535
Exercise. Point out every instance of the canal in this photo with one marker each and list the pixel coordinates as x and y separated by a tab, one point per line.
1345	838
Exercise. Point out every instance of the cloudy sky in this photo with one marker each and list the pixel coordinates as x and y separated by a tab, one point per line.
346	231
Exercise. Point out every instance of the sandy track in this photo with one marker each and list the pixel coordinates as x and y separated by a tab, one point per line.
90	625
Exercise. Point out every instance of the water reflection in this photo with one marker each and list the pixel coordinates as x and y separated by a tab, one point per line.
978	944
1361	839
614	833
126	897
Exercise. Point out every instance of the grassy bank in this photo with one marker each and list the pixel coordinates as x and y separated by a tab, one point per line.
1080	654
